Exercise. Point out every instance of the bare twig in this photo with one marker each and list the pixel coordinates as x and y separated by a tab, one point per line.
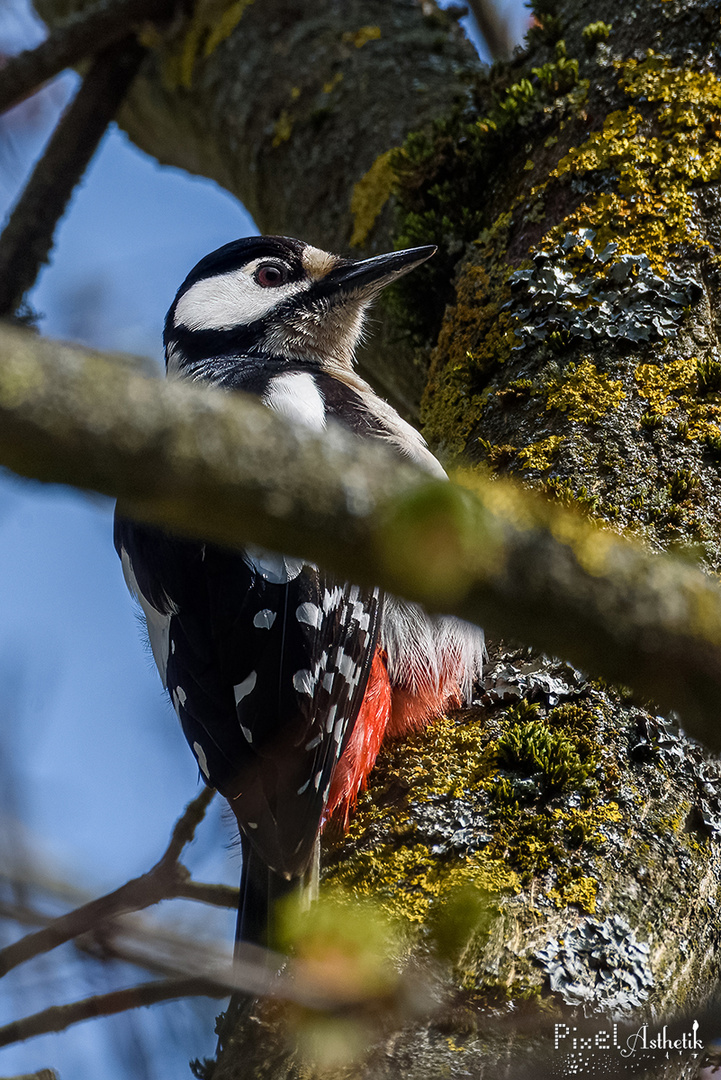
160	883
59	1017
28	235
84	33
224	896
495	28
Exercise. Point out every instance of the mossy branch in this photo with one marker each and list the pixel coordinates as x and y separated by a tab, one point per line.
223	467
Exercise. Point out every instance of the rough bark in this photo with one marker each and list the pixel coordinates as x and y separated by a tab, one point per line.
593	374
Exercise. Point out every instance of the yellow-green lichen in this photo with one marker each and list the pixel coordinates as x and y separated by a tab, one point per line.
575	889
211	22
690	390
370	194
331	84
408	881
362	36
666	386
283	128
515	772
584	392
655	163
540	455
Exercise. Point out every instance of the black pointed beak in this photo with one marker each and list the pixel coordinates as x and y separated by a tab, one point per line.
368	276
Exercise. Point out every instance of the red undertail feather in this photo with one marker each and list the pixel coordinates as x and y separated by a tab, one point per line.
394	711
362	750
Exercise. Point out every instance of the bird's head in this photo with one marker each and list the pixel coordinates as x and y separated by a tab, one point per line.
278	297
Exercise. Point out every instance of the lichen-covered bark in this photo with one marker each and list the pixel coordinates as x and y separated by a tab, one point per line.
579	207
582	353
591	826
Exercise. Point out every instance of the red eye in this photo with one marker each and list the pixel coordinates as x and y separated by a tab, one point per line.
270	274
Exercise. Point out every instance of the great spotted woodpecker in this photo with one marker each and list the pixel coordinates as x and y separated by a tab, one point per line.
285	679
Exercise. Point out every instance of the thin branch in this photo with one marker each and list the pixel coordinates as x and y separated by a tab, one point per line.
224	467
184	829
60	1017
495	28
160	883
84	33
28	235
224	896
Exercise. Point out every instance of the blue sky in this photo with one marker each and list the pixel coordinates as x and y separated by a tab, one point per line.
93	768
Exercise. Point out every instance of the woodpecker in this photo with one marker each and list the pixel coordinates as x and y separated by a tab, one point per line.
285	679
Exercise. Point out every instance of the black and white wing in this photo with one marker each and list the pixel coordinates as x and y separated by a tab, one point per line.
266	661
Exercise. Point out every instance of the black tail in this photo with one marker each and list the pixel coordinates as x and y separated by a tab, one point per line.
260	889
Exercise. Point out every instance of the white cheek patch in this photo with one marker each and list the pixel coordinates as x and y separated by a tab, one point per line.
229	300
297	396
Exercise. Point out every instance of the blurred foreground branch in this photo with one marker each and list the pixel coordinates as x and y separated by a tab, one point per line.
223	467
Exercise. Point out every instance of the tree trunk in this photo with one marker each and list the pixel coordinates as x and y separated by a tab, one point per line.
575	195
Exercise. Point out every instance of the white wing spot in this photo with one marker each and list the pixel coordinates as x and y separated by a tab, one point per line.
361	616
332	599
304	682
304	788
242	689
347	667
314	742
202	760
328	681
310	614
264	619
330	719
247	733
317	779
182	696
275	569
252	824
